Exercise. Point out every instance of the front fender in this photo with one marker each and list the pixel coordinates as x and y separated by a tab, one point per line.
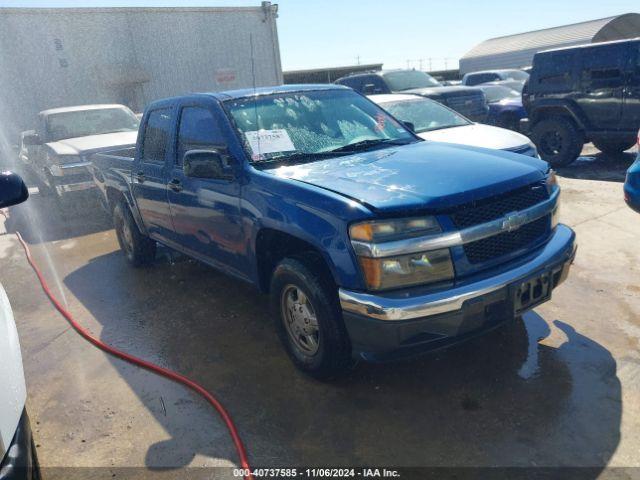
312	214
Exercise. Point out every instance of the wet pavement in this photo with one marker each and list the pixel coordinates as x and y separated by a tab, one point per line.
561	388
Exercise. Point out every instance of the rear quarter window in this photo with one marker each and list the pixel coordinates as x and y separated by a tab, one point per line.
157	131
552	71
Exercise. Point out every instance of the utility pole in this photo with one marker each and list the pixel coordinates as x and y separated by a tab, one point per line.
358	59
420	63
446	63
408	61
430	64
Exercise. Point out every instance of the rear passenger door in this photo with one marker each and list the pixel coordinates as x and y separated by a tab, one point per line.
631	105
603	81
206	211
149	182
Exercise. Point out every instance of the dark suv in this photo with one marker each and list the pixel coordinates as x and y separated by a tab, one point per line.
468	101
589	93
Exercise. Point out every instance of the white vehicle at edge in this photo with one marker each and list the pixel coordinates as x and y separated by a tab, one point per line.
18	458
433	121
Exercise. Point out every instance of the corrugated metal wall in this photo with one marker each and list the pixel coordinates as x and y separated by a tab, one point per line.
516	51
57	57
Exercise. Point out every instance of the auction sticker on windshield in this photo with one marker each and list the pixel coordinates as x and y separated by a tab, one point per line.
268	141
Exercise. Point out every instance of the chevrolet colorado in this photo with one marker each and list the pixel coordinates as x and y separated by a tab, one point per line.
371	242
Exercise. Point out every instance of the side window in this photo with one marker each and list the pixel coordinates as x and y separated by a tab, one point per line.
554	70
603	66
156	136
482	78
198	130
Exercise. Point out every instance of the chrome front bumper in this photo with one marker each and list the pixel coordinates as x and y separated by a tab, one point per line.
68	169
556	255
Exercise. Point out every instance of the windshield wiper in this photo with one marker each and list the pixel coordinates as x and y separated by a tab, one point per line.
364	144
296	158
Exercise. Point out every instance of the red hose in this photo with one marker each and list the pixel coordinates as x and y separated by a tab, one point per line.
176	377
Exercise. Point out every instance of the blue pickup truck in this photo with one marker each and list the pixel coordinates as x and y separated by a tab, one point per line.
371	242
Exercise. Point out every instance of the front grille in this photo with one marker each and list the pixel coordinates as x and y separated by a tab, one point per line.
497	207
469	105
506	243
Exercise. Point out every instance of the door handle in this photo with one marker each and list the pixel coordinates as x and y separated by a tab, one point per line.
140	177
175	185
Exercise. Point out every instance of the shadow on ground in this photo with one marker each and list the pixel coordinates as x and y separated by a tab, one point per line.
500	400
599	166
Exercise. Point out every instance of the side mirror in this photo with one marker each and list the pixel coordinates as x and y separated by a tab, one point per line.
12	189
31	139
410	126
206	164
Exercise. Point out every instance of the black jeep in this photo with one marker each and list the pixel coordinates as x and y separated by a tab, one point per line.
589	93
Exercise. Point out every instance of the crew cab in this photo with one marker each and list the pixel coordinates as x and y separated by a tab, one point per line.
468	101
56	151
371	242
587	93
18	458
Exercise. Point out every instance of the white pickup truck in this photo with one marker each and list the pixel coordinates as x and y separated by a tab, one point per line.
56	151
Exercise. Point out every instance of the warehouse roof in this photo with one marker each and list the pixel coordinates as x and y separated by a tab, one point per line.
610	28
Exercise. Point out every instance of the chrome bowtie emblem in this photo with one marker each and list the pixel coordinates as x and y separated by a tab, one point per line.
513	221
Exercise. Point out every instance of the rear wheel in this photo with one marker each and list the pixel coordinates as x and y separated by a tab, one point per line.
558	139
614	147
308	318
138	249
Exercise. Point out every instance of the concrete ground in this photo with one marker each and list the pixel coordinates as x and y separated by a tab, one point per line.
562	389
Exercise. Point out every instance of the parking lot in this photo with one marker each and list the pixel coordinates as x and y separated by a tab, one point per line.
562	389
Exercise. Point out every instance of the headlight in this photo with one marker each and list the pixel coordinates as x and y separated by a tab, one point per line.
401	270
552	184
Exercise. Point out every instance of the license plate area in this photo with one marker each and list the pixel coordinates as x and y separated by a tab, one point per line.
531	292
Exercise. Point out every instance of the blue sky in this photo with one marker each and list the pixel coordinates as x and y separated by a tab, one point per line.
316	33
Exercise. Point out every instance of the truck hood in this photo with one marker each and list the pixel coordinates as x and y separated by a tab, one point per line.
443	92
478	135
93	143
424	175
13	391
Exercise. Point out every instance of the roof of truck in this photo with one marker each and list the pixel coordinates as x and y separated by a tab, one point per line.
250	92
81	108
247	93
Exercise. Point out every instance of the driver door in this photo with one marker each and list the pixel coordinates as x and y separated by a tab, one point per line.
205	211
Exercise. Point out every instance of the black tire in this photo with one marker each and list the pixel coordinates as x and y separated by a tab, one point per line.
558	139
138	249
333	348
614	147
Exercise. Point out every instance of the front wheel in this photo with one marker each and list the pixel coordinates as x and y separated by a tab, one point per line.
558	139
614	147
308	318
138	249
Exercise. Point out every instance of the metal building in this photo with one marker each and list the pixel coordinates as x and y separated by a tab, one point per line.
516	51
72	56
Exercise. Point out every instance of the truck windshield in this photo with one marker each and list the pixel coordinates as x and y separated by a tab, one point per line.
83	123
409	79
313	124
426	115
